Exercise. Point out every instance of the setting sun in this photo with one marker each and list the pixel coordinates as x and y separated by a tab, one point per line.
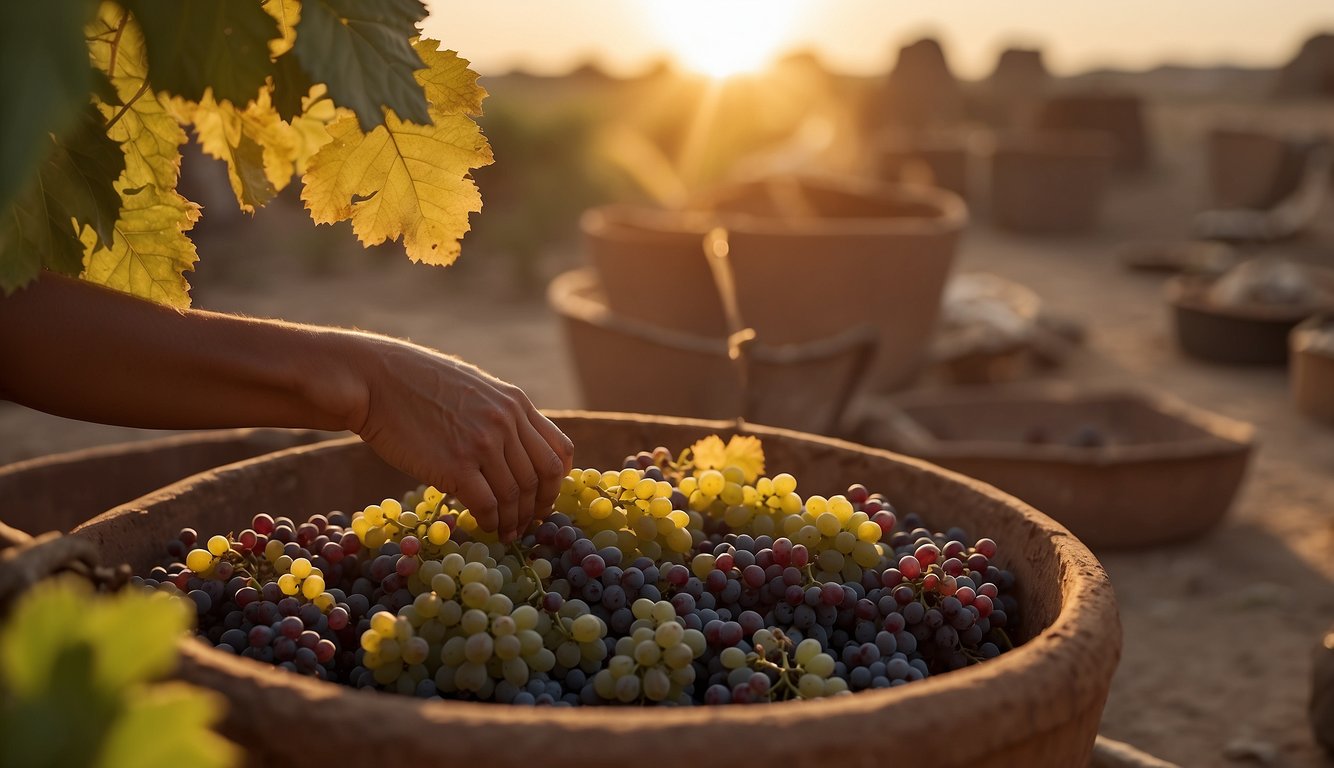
721	38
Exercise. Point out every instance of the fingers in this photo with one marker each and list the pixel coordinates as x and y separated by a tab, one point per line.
556	439
524	467
496	470
474	492
550	470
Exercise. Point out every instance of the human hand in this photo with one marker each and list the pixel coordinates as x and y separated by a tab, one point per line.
450	424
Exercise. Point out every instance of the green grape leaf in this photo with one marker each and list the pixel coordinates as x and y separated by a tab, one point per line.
201	44
74	187
360	50
37	630
62	722
43	54
403	179
136	638
291	85
165	727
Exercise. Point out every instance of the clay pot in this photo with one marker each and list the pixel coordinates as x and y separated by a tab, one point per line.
862	252
57	492
931	160
1119	469
1313	369
1240	335
1251	169
1050	183
1038	705
651	264
627	364
1119	115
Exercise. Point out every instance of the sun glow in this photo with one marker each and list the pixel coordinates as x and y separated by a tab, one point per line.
721	38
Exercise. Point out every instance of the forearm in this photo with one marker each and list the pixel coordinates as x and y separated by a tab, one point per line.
80	351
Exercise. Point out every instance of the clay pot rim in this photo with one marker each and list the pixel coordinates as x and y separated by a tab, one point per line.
1189	292
950	214
1222	435
568	295
1060	652
1302	339
149	445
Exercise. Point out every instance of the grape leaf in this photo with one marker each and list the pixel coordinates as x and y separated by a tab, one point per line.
149	251
287	13
291	85
74	187
165	727
201	44
136	639
47	82
260	149
149	248
150	136
403	179
360	50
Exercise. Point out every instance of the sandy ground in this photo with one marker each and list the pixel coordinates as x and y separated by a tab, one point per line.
1218	632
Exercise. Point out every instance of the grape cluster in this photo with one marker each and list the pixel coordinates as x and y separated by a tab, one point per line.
671	581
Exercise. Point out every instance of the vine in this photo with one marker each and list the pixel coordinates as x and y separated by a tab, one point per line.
320	90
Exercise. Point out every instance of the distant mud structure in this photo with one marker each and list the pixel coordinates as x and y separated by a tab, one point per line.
1311	71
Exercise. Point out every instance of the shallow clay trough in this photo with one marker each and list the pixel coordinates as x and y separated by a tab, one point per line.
1120	469
1036	706
1252	334
57	492
626	364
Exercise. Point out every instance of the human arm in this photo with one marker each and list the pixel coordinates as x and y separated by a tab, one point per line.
77	350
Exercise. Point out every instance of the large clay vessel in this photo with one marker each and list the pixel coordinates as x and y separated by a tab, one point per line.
1119	115
812	259
1036	706
57	492
1050	183
1312	368
1252	169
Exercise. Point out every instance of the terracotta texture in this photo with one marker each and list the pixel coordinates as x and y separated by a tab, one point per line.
626	364
57	492
1036	706
1119	115
1252	169
1167	472
1254	335
864	253
1312	373
1050	183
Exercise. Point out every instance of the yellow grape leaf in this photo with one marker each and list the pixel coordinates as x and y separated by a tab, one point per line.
148	253
287	13
744	452
404	179
260	150
149	250
311	128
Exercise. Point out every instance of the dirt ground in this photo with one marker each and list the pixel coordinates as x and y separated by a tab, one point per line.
1218	632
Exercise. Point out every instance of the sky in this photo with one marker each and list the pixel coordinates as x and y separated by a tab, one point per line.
863	36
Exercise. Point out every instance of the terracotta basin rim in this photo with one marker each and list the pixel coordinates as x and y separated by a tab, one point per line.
1062	651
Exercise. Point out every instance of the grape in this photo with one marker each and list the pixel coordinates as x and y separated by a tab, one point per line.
651	584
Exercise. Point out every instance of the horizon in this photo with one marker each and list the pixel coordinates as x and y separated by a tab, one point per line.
627	37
